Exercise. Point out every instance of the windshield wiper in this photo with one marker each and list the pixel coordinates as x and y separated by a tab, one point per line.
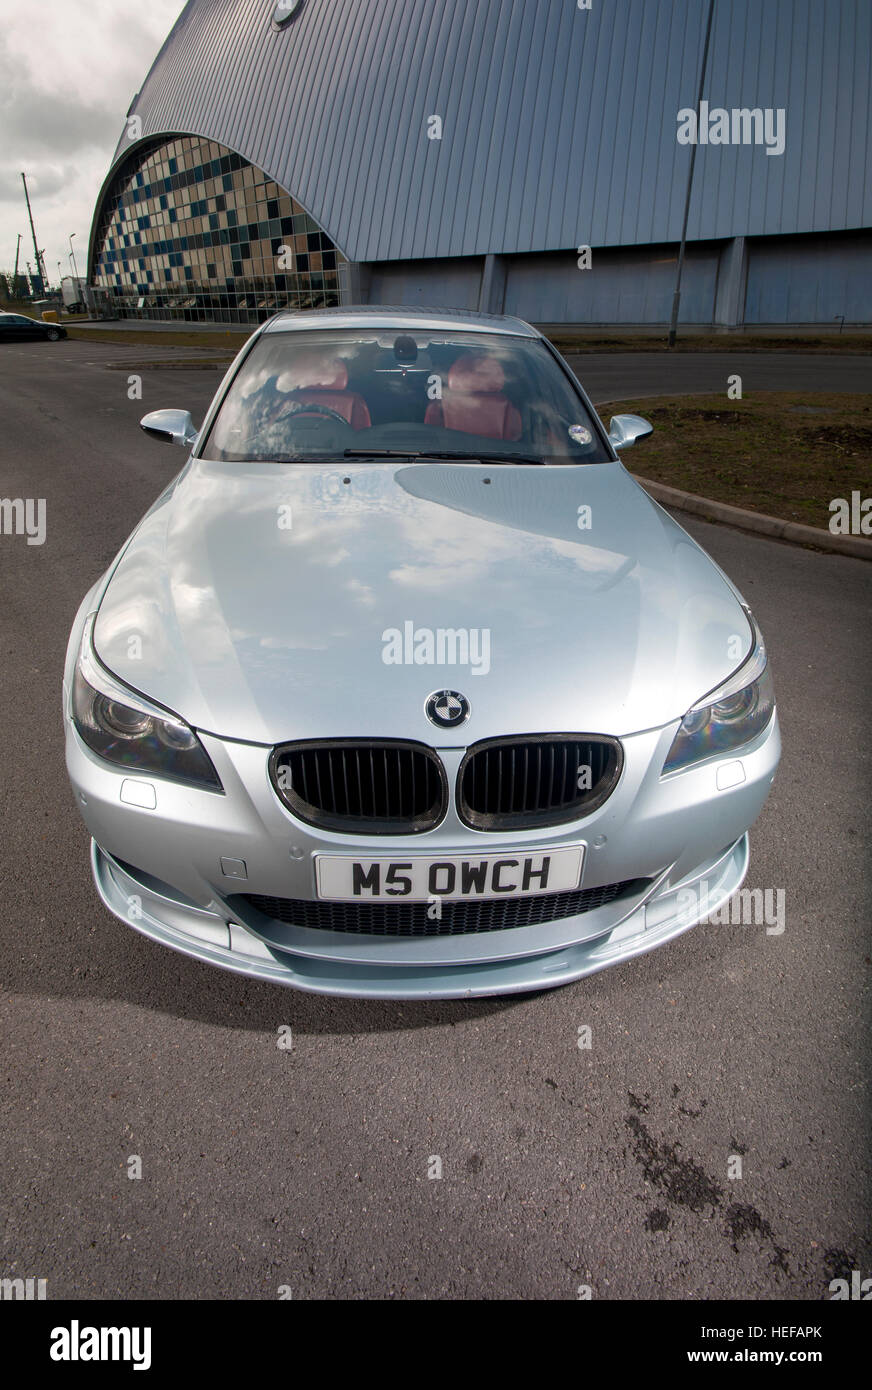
380	454
459	456
480	458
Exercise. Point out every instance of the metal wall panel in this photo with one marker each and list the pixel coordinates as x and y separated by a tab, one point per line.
559	124
809	280
454	283
634	285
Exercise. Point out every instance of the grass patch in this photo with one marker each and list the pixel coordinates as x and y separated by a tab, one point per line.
174	364
852	344
784	454
855	344
164	337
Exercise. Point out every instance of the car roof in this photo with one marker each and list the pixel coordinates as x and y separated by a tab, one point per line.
399	316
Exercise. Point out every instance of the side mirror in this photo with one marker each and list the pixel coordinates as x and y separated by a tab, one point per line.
170	426
624	430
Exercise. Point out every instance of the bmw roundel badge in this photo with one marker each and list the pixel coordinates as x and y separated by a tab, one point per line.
447	708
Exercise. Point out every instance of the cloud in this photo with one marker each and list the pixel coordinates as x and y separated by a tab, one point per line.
49	180
38	121
65	86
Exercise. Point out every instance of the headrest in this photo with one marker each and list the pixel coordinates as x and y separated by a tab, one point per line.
476	374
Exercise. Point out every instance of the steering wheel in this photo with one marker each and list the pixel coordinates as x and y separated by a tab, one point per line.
300	408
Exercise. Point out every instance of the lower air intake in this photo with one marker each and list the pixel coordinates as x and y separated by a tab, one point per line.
458	918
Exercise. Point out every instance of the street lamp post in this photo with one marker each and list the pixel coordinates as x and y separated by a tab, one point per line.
73	254
676	296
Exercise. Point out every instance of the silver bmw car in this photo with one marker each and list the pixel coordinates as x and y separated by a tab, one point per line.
404	688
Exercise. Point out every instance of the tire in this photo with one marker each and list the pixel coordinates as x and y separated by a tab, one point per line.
53	335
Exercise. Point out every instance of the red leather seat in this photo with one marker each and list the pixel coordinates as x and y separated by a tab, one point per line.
473	400
324	381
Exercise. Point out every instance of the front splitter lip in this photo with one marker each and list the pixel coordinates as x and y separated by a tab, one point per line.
210	937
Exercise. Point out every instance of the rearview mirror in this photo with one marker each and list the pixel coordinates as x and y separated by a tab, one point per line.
624	430
170	426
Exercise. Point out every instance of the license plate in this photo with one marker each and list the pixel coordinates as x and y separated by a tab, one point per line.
451	877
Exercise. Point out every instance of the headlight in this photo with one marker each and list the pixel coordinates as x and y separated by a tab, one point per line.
729	716
126	729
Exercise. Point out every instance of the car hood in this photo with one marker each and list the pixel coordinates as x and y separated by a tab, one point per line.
270	602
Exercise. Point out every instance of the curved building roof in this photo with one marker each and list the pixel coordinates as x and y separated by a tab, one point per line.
558	123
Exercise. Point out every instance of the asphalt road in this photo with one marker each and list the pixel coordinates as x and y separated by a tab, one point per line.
629	375
308	1168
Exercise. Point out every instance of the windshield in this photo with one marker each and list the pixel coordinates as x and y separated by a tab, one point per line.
308	396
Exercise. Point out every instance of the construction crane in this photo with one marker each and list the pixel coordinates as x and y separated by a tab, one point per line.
40	263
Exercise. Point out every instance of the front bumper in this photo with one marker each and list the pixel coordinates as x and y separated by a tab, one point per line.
174	869
215	938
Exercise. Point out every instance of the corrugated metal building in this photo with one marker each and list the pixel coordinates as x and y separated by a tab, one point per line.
461	152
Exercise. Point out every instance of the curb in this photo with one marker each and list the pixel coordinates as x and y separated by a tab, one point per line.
759	522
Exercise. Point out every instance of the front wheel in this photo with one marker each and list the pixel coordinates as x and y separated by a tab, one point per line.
53	335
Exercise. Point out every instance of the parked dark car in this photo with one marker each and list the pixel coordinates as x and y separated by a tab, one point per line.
15	328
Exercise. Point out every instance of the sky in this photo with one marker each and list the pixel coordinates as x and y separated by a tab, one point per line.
68	72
